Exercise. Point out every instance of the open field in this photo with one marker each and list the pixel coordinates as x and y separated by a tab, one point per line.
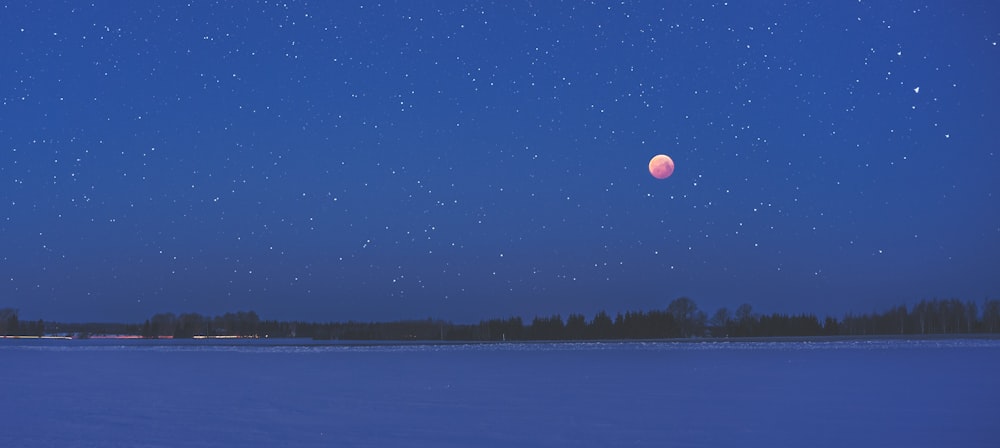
857	392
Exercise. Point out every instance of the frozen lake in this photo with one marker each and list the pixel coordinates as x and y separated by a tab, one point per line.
108	393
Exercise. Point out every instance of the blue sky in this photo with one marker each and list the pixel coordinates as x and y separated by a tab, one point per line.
468	160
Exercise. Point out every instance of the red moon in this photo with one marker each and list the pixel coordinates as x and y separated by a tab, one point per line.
661	166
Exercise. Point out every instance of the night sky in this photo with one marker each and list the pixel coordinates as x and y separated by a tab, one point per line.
466	160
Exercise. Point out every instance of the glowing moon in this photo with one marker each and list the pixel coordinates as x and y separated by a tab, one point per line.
661	166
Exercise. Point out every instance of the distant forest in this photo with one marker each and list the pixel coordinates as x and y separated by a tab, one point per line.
680	319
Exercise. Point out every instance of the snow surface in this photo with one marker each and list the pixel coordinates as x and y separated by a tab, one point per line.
103	393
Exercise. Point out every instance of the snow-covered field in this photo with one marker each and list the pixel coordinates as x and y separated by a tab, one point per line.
877	393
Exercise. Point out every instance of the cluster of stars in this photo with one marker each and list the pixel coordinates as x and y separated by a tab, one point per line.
362	158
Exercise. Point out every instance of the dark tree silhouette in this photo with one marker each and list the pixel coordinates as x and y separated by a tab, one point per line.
602	327
686	316
721	322
991	316
8	322
680	319
576	327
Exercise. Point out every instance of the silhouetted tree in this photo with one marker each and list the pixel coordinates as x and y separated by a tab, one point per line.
720	322
901	317
36	328
991	316
687	317
147	330
190	324
550	328
8	322
163	324
746	320
602	327
971	316
830	326
501	329
576	327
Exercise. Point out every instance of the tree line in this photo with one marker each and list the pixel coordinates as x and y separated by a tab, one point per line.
11	325
683	319
680	319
